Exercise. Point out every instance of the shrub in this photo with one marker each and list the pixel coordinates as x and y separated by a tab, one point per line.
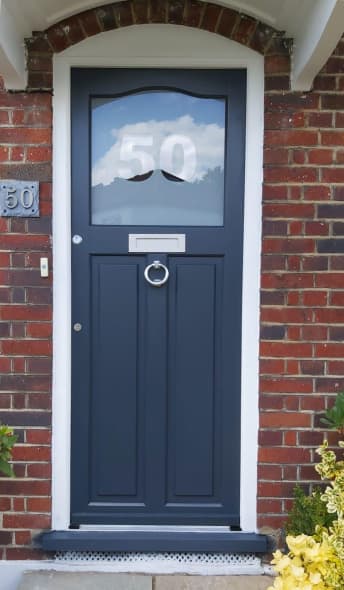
307	512
334	417
7	441
316	562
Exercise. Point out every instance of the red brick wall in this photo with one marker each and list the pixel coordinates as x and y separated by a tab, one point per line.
192	13
25	324
302	283
302	312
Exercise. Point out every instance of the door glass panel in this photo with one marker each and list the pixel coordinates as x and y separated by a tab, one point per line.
157	159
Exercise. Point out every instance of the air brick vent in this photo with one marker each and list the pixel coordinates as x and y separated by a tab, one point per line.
169	562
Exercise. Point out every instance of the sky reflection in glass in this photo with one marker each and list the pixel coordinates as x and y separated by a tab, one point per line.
158	159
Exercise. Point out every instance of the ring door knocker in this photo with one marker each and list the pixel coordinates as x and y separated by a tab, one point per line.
157	282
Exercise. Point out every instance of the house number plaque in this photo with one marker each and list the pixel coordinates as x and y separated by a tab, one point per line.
19	198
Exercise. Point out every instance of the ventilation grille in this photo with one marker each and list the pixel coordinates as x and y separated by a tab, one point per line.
165	562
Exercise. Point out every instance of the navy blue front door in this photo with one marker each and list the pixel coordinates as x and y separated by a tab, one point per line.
156	368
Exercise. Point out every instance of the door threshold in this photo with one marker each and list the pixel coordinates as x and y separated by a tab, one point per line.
156	528
154	541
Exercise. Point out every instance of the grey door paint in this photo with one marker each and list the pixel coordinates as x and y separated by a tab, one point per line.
156	371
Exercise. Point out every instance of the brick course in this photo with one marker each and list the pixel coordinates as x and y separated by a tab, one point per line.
191	13
302	281
302	292
25	325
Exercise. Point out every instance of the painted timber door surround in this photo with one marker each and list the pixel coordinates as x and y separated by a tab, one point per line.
156	371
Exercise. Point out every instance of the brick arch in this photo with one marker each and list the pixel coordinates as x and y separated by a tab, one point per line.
206	16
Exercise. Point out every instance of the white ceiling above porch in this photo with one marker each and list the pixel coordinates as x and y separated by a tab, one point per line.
315	26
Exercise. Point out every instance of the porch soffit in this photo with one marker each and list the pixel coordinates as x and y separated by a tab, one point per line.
314	25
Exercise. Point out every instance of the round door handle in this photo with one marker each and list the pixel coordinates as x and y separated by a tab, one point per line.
157	265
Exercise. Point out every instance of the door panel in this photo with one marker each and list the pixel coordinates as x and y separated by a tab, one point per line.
156	370
116	354
192	390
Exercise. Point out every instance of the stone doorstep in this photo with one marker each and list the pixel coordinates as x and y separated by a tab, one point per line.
186	582
52	580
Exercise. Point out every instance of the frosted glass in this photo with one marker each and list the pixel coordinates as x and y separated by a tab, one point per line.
158	159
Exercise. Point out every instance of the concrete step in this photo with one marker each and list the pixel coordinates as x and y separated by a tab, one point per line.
212	582
52	580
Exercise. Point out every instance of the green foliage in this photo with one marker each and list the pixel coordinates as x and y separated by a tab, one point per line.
7	441
307	512
316	562
332	470
334	417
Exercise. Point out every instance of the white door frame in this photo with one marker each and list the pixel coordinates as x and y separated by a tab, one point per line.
155	46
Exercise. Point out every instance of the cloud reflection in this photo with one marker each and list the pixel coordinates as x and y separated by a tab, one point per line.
150	145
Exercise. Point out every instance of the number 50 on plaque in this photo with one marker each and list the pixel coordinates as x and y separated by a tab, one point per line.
19	198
